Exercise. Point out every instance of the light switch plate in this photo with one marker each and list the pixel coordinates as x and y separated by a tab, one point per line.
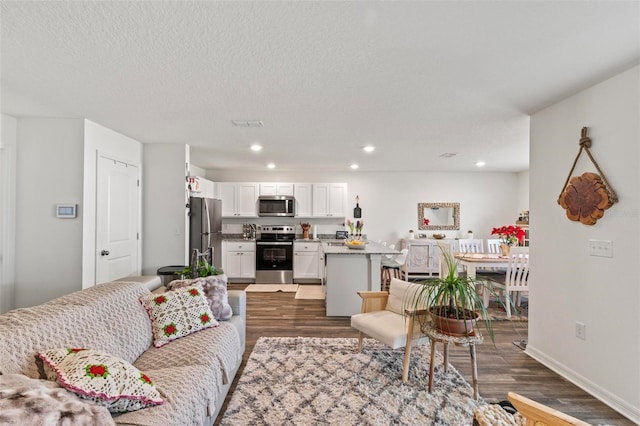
602	248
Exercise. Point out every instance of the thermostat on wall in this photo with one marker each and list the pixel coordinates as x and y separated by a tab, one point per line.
66	211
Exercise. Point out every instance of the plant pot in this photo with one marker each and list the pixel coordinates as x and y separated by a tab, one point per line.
462	326
504	249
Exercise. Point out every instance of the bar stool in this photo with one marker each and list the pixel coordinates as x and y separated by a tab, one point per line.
394	264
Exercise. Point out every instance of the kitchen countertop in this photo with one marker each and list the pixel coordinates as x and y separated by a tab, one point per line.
370	248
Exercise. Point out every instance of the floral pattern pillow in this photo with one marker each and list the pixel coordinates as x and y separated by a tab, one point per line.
105	379
176	314
215	290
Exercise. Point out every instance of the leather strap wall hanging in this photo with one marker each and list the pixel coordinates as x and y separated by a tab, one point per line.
586	197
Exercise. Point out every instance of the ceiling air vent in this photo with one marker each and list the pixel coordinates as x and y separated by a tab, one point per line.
448	155
247	123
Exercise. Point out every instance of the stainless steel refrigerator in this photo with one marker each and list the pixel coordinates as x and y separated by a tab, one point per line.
205	227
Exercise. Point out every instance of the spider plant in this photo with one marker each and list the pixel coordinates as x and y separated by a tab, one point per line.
454	297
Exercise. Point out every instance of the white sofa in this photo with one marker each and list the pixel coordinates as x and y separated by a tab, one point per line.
193	374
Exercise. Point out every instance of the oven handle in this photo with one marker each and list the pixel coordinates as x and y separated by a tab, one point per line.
275	243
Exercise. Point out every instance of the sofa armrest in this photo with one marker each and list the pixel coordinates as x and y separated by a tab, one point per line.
238	302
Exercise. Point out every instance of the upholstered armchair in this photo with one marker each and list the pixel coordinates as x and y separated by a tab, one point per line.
390	318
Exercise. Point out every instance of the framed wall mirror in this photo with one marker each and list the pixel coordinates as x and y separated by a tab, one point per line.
439	216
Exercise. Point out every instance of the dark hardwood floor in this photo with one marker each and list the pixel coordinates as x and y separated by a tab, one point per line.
501	368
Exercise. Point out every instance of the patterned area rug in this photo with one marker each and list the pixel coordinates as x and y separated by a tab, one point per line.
498	313
305	381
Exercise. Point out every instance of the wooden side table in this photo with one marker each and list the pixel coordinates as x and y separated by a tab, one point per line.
466	341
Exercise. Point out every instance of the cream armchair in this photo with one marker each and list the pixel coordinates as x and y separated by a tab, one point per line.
383	318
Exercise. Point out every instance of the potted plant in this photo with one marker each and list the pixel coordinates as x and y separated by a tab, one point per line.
509	235
203	269
452	300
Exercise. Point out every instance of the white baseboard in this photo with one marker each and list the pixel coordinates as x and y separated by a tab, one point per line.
623	407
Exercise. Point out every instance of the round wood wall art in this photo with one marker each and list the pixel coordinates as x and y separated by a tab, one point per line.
585	198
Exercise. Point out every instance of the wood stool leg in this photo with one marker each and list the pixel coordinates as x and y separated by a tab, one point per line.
432	363
474	370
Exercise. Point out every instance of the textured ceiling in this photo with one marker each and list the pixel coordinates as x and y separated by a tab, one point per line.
414	79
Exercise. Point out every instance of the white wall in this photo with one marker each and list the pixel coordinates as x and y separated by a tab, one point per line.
568	284
7	212
49	171
99	140
165	226
523	191
389	201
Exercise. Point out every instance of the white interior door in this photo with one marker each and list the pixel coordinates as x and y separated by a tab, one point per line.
117	220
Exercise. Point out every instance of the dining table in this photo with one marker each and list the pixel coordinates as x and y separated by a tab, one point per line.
471	261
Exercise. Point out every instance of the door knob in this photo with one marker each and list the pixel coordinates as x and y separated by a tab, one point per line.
104	253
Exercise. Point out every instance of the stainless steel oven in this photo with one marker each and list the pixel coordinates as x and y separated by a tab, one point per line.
274	255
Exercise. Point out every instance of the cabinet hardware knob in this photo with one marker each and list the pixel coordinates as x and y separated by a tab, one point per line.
104	253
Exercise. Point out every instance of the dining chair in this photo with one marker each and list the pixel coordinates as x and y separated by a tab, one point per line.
516	279
493	245
470	245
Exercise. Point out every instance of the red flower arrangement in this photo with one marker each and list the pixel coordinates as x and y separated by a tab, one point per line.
509	235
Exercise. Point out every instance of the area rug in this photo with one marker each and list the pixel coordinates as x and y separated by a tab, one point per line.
310	292
270	288
498	313
310	381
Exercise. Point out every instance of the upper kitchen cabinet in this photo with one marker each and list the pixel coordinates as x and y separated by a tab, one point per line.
302	194
201	187
276	189
329	200
239	199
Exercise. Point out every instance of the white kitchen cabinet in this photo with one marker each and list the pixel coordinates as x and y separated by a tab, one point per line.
239	260
306	260
239	199
202	188
276	189
329	200
302	194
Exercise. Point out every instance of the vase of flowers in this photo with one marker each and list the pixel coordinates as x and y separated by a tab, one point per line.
509	235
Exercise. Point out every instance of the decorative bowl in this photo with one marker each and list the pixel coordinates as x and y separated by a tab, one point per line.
438	236
355	244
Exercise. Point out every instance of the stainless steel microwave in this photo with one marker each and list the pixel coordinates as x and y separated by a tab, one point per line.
276	205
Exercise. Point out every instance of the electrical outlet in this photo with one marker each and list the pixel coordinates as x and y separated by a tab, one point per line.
602	248
581	331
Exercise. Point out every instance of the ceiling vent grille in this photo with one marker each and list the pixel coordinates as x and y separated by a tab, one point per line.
247	123
448	155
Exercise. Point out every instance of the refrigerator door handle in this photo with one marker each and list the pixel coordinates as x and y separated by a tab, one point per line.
206	210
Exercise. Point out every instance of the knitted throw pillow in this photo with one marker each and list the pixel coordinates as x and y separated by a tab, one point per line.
178	313
215	290
105	379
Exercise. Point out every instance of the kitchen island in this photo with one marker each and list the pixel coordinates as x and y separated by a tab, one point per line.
349	271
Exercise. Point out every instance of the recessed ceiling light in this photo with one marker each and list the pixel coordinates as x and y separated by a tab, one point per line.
256	147
271	166
369	148
481	164
354	166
